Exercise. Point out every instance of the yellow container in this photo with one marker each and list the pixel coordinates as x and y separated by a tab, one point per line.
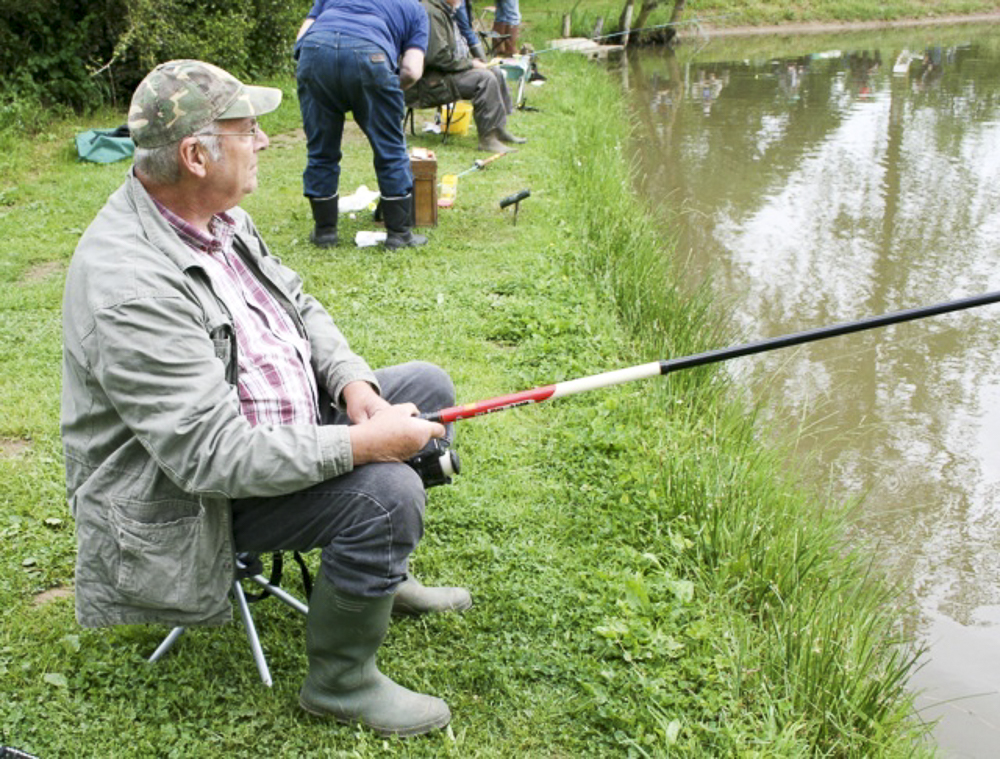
460	118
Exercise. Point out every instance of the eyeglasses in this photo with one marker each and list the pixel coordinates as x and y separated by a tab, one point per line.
254	131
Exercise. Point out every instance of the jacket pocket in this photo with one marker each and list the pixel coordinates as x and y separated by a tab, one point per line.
223	338
158	552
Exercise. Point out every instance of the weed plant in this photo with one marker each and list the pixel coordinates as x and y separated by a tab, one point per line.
649	579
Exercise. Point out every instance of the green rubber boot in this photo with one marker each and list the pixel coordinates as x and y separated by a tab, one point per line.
343	634
413	599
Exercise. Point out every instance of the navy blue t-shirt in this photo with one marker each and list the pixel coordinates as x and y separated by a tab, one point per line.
393	25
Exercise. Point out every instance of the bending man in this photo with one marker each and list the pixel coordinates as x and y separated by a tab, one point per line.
210	407
348	51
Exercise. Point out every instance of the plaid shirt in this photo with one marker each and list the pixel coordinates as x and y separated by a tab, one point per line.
276	382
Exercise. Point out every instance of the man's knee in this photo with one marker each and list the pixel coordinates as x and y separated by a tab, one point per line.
389	505
405	490
436	380
368	556
420	382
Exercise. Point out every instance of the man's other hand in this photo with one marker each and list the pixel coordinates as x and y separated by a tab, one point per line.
361	402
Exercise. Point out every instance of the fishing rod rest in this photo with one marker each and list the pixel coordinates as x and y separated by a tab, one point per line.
437	465
515	200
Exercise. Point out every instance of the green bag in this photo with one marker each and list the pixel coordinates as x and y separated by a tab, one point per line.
105	145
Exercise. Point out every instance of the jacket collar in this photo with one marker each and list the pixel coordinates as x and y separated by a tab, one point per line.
158	230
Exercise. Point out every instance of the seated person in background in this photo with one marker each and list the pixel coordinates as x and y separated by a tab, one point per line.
451	74
211	407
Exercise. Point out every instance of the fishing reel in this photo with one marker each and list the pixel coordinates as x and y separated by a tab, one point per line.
437	465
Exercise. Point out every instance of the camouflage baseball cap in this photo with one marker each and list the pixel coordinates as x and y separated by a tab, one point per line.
179	98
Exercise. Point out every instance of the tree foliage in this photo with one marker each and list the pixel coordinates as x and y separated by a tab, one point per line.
83	53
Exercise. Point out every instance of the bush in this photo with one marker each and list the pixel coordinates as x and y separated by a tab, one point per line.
85	54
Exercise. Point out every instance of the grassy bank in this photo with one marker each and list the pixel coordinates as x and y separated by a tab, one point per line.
648	579
705	15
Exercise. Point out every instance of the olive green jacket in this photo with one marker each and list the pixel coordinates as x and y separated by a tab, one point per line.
436	87
155	445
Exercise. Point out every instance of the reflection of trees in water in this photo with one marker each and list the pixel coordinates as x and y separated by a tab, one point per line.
902	177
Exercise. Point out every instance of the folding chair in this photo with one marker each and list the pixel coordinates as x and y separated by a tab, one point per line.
483	27
249	567
517	70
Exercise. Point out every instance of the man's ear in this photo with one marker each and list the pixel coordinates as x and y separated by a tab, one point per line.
193	157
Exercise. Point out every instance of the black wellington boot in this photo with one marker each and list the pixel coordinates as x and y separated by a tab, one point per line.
398	215
325	215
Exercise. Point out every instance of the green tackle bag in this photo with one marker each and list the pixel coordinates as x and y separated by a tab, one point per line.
105	145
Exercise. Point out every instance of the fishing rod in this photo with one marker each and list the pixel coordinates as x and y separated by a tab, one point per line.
449	182
481	164
654	368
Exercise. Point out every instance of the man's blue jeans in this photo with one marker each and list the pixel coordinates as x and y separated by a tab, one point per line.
508	12
338	74
367	521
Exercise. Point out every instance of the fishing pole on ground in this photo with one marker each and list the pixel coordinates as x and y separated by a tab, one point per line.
666	366
449	182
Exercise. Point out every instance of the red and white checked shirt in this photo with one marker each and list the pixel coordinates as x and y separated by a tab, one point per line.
276	382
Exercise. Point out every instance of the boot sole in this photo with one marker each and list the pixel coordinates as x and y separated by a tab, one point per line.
397	246
404	610
405	732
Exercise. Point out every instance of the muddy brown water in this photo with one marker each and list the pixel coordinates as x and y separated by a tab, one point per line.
818	179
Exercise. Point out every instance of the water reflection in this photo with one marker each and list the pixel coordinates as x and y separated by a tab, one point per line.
827	179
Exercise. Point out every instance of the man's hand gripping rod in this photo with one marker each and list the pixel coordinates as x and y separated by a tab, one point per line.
652	369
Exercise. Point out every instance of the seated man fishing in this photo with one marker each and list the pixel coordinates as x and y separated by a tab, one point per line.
211	407
450	74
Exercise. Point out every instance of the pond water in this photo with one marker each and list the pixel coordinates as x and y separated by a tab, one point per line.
815	179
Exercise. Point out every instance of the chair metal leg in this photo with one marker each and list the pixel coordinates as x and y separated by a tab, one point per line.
166	645
258	652
280	594
449	110
520	84
243	572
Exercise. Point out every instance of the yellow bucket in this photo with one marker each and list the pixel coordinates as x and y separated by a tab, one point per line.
460	118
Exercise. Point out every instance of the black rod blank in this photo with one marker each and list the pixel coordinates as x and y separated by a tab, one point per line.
821	333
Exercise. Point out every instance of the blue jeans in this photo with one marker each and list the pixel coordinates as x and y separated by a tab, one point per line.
338	74
367	522
508	12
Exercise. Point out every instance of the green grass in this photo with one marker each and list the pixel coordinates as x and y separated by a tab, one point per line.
649	578
545	17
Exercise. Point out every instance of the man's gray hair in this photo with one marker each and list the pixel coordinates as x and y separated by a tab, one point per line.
161	165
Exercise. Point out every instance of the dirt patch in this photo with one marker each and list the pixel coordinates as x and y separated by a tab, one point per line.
41	271
297	137
696	31
287	139
52	594
12	447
